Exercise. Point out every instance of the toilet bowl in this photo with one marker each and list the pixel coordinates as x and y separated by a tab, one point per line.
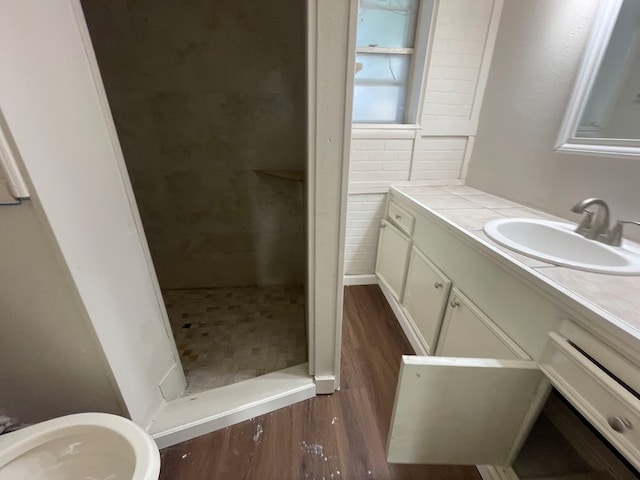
92	446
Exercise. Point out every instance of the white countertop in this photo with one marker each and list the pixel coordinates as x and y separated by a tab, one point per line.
611	302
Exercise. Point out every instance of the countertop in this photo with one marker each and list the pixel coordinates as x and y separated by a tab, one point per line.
611	302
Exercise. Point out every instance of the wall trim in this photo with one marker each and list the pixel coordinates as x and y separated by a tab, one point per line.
363	188
485	67
325	384
361	279
407	132
464	169
331	33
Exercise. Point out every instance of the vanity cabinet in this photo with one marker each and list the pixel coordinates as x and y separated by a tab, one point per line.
483	410
443	319
467	332
496	358
393	253
425	298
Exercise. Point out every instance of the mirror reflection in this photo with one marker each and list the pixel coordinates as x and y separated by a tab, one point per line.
613	106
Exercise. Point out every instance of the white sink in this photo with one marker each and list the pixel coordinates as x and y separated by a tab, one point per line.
557	243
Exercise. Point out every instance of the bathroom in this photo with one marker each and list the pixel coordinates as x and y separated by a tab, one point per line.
513	136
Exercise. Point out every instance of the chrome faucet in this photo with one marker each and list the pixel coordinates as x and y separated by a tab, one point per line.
594	225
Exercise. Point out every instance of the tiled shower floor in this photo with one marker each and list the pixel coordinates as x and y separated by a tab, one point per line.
226	335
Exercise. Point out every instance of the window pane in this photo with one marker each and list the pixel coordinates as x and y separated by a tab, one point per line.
387	23
378	104
380	88
377	68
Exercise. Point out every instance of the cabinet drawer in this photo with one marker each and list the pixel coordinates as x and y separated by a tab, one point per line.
403	219
601	398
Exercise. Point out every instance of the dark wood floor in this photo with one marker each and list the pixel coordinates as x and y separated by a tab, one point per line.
339	436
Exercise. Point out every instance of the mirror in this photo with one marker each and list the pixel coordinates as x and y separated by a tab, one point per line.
603	116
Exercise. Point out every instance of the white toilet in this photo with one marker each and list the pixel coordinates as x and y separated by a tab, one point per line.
91	446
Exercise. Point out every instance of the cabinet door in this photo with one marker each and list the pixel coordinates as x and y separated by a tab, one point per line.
462	411
425	297
393	251
467	332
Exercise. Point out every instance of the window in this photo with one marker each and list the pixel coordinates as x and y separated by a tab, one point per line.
390	54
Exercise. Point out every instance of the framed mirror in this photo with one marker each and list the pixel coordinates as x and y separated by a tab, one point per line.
603	115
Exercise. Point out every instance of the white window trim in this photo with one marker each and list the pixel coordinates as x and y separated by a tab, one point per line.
417	74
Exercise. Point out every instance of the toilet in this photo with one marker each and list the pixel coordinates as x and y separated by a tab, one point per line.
96	446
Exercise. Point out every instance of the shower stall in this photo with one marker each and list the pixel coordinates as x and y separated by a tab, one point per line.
208	99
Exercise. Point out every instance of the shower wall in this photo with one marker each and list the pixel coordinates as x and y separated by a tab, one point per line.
208	100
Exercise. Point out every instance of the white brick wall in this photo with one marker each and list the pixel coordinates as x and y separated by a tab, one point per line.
456	56
380	159
439	158
364	214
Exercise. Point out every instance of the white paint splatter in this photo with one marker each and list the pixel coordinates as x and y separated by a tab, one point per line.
314	448
259	430
186	455
333	420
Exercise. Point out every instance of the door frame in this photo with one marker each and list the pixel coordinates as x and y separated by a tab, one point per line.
331	28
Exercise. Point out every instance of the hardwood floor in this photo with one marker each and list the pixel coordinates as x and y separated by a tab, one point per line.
339	436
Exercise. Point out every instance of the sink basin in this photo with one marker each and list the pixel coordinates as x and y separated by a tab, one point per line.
557	243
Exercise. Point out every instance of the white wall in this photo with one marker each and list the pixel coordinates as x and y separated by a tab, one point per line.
52	364
55	107
437	147
535	62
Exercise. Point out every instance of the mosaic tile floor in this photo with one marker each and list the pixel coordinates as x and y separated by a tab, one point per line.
226	335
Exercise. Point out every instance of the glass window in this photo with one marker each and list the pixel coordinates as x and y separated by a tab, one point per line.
380	88
385	49
387	23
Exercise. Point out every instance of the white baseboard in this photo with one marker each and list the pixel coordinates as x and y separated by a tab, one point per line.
404	322
491	472
201	413
366	279
325	384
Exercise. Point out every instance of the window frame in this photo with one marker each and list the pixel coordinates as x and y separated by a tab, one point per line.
425	23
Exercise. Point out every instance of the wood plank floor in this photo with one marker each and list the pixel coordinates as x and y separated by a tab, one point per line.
339	436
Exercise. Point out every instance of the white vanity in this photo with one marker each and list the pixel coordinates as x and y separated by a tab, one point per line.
496	332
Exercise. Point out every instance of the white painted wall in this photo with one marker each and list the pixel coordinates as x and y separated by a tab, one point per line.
437	147
52	364
538	50
57	112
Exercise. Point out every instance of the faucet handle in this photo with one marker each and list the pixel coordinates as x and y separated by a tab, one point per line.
614	236
585	223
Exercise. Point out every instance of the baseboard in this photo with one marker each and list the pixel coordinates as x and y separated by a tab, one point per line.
198	414
365	279
325	384
404	322
491	472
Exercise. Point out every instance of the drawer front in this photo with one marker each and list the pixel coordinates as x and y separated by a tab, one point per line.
403	219
604	402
